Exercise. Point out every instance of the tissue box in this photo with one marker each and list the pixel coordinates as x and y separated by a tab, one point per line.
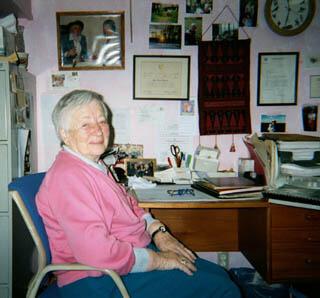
206	164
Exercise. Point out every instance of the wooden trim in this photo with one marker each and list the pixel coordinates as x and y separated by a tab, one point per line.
205	205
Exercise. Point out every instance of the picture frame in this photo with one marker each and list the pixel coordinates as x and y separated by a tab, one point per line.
277	79
161	77
315	86
164	13
165	36
140	167
90	40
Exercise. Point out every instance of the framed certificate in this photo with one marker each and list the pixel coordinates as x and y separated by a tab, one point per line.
161	77
277	78
315	86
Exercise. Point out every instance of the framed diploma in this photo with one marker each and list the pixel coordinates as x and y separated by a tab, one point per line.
161	77
277	79
315	86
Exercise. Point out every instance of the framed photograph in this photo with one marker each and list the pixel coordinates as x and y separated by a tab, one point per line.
140	167
309	117
161	77
248	13
199	7
277	79
165	37
192	31
164	13
91	40
315	86
130	150
227	31
273	123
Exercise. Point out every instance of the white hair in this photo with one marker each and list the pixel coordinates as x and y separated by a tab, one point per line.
71	101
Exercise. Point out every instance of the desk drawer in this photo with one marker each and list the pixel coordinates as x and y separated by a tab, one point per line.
295	264
291	238
291	217
202	229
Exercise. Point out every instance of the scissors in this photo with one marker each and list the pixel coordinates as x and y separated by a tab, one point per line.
176	152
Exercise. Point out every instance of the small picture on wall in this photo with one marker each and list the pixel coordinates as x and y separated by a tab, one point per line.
192	31
309	117
273	123
315	86
165	37
164	13
57	80
248	13
140	167
225	31
199	7
187	108
64	79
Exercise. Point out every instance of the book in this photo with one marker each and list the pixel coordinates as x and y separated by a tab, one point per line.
230	182
220	191
291	193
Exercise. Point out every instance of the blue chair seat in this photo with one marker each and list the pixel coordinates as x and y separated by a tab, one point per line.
23	191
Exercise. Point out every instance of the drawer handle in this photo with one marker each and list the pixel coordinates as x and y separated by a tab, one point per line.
311	262
308	261
311	217
311	239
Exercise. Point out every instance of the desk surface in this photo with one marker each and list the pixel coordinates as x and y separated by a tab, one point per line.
159	198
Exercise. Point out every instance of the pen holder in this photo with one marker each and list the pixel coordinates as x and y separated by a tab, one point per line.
181	174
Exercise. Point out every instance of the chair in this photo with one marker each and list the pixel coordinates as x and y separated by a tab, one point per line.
23	191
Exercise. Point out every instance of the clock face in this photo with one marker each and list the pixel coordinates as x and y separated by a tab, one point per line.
289	17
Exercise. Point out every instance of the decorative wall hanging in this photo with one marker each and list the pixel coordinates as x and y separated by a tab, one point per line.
223	92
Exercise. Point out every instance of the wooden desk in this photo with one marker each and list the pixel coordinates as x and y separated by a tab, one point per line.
204	226
282	243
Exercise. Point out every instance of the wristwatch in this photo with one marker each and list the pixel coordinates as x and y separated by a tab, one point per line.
162	229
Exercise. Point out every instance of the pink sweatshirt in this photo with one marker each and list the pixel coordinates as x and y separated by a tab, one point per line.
89	218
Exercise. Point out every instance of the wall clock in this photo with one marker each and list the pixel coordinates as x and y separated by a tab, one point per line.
289	17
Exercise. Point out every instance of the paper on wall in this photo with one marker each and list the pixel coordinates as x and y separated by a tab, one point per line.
121	124
64	80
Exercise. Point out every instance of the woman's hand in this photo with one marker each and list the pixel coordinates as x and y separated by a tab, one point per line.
170	260
167	243
72	52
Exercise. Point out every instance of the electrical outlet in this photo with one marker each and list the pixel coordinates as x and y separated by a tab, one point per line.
223	259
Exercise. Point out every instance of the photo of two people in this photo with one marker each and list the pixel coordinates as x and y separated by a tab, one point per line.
90	40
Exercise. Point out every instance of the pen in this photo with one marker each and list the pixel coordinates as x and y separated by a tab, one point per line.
169	162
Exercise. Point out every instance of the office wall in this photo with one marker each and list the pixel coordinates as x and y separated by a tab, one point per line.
116	85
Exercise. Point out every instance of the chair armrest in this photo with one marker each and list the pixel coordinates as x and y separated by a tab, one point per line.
34	286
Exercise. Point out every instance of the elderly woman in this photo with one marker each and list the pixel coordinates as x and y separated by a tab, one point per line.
92	220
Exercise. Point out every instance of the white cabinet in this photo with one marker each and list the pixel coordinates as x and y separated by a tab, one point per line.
5	178
5	252
9	165
3	106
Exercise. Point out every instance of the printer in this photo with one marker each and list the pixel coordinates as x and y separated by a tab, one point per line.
286	159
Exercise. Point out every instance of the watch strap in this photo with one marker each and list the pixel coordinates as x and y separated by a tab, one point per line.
162	229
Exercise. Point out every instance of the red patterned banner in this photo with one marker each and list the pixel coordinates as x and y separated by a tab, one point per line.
224	90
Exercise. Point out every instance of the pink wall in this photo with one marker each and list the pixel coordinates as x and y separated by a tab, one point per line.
40	39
